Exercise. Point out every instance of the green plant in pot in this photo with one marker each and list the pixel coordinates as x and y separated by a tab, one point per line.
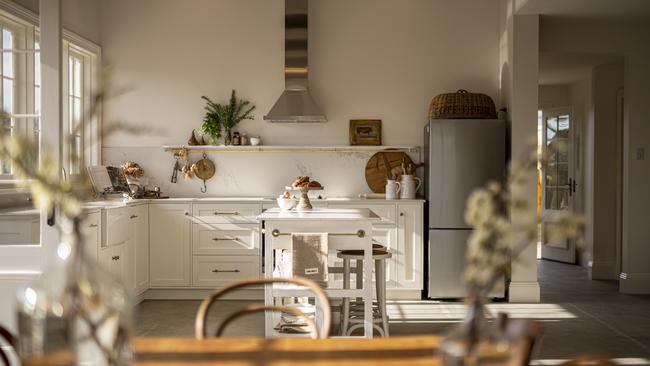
220	117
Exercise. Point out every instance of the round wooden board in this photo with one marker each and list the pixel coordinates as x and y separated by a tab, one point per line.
376	168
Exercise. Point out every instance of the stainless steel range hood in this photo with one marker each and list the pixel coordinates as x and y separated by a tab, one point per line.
296	103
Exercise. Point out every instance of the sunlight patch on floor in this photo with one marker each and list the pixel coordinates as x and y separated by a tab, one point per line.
412	311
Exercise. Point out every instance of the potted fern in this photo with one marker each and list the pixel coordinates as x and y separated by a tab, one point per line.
225	117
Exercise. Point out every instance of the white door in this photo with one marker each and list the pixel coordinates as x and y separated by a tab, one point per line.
558	180
27	243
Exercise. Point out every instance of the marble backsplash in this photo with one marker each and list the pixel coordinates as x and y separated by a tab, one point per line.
251	174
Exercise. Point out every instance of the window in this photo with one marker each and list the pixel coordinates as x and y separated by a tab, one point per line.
20	90
80	147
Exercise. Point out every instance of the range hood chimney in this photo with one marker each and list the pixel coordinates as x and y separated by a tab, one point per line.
296	103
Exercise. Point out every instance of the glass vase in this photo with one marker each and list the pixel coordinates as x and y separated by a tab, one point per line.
75	313
475	339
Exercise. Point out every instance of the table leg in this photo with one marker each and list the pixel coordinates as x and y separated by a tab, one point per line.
367	289
268	289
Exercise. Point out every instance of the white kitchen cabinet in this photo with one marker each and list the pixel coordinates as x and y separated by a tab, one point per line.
91	234
139	217
218	271
115	252
113	260
169	245
241	240
409	257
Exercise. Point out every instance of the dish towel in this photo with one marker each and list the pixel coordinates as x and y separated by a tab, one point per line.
309	256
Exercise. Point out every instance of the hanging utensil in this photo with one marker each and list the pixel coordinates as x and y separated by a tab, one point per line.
177	167
204	169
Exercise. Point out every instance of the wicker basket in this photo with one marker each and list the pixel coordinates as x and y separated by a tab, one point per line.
462	104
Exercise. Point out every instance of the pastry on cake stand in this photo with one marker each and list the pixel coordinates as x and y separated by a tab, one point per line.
304	204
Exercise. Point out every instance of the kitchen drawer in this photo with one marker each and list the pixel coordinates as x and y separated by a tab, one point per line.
116	226
219	271
226	213
387	211
239	241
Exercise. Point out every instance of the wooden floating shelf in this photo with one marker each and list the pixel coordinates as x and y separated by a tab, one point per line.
287	149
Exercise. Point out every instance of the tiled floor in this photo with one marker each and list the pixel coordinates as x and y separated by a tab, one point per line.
579	316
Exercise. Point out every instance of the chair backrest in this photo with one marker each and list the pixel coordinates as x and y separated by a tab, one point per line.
200	325
11	342
524	332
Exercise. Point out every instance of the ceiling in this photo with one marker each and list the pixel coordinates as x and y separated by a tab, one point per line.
566	68
587	9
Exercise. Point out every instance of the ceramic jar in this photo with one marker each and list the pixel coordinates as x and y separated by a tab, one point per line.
410	185
392	189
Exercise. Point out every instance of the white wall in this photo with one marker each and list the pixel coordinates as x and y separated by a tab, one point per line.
554	96
630	39
368	59
606	81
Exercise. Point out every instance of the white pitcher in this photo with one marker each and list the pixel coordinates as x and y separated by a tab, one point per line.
392	189
410	185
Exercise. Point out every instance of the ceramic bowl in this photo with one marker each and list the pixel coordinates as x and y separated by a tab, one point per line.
286	204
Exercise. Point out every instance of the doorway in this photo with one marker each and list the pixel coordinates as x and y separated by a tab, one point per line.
558	176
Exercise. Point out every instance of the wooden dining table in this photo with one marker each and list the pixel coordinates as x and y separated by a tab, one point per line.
411	351
394	351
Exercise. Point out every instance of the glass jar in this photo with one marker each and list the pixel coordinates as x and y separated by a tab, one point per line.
75	312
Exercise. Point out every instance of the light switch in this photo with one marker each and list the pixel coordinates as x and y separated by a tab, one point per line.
640	153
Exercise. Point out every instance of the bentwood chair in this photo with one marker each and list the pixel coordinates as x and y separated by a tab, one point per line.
200	325
9	342
524	332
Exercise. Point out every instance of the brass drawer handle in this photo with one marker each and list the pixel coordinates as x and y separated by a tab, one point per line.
232	213
225	270
229	239
134	216
360	233
93	225
116	258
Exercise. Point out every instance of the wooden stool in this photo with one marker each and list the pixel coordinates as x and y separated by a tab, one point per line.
379	256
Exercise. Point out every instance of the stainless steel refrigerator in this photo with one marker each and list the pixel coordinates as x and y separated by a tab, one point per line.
460	155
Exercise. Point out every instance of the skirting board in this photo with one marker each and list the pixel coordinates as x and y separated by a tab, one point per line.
634	283
519	292
247	294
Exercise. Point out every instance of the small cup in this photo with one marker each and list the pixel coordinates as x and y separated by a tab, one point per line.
254	141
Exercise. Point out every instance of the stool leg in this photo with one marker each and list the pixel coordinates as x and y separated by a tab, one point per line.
359	278
380	278
345	313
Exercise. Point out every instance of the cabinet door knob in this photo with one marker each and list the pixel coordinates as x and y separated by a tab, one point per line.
225	270
134	216
93	225
116	258
401	213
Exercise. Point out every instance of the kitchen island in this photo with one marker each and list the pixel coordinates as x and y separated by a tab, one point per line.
346	228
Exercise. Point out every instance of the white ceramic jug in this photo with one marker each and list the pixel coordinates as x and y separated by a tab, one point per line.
392	189
410	186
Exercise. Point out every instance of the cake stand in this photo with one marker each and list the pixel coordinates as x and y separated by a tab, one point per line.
304	204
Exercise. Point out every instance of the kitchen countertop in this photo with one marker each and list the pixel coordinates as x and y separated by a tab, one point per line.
91	206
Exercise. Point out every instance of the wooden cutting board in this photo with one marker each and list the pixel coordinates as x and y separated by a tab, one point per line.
376	168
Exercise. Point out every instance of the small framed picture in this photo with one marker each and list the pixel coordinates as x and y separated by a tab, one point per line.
365	132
